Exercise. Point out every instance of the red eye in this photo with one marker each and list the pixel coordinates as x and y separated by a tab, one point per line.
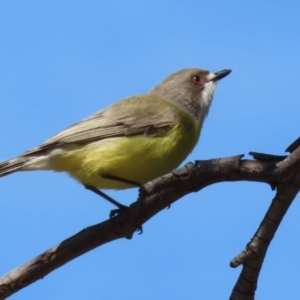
197	80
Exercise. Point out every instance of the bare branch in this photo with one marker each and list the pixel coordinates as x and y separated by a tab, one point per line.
253	256
278	171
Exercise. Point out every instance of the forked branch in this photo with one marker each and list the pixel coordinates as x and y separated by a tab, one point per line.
281	172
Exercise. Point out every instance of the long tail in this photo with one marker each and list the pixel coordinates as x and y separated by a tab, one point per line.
13	165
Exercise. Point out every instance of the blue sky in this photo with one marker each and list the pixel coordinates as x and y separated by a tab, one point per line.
60	61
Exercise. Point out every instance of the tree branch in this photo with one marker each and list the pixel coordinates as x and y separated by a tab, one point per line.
253	256
156	195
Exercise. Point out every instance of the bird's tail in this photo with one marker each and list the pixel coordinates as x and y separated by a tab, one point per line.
13	165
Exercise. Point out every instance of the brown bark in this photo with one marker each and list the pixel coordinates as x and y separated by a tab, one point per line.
281	172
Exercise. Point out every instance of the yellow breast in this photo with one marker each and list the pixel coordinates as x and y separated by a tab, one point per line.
139	158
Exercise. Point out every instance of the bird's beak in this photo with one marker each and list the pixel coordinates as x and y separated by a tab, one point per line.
221	74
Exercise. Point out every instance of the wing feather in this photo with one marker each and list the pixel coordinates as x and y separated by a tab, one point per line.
142	114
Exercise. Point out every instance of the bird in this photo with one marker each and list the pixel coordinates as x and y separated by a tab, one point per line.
132	141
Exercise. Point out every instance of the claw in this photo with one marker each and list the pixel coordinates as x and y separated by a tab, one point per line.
115	212
140	229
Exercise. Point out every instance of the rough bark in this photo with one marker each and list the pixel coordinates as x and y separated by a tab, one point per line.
281	172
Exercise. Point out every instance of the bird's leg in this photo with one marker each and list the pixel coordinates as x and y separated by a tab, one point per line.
116	178
106	197
113	212
120	206
124	180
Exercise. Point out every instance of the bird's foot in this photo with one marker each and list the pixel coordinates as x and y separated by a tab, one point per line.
117	211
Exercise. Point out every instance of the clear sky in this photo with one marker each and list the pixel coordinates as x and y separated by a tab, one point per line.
60	61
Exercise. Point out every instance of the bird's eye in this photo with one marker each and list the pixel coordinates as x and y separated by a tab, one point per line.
197	80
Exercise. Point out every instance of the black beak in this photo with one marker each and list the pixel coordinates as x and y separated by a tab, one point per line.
221	74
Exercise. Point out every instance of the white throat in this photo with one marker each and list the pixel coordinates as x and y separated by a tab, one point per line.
207	94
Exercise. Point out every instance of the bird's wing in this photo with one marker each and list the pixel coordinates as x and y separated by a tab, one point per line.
137	115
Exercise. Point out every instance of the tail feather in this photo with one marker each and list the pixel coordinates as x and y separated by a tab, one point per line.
13	165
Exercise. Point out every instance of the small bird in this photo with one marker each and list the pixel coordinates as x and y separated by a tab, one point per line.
132	141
